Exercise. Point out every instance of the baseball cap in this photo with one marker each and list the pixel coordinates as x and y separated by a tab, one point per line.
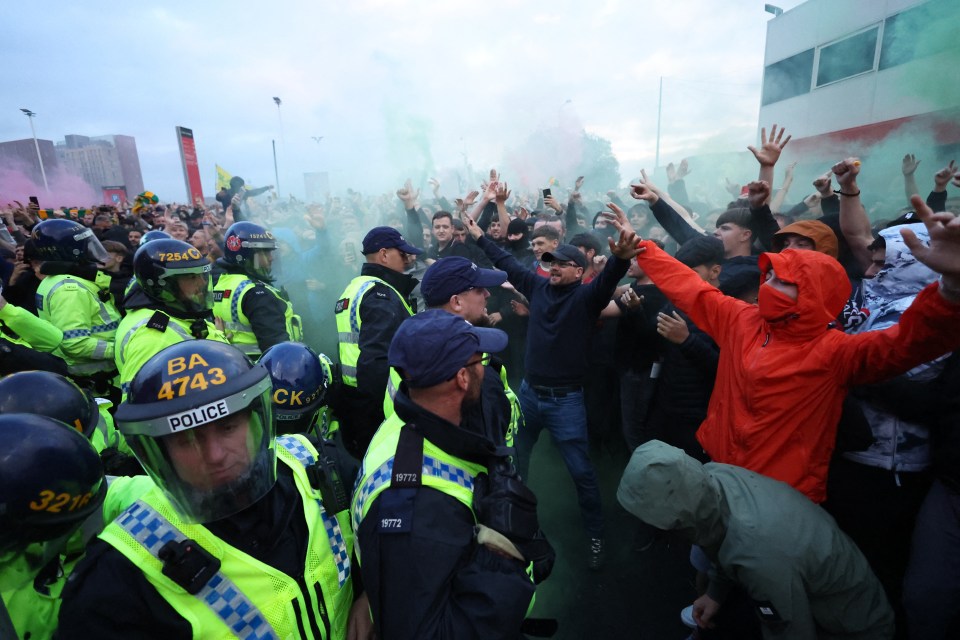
565	253
387	238
430	347
455	274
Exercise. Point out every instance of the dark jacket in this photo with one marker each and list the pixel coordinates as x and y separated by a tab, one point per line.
381	313
435	581
561	317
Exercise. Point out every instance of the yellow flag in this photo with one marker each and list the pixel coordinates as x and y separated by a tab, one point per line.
223	178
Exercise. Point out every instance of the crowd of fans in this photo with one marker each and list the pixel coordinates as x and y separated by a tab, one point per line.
807	343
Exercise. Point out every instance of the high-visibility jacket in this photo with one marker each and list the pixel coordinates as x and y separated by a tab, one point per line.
441	471
349	323
139	338
246	598
516	414
228	295
30	330
89	323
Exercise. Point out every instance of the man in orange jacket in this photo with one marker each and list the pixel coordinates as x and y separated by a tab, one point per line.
784	370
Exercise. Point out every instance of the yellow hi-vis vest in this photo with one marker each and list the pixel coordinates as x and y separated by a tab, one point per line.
246	598
441	471
393	384
227	305
89	324
348	323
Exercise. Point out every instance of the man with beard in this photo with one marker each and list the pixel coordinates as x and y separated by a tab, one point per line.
460	287
446	530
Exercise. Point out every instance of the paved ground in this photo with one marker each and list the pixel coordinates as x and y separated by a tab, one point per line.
638	594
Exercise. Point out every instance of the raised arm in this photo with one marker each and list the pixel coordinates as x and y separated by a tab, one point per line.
937	200
769	151
854	223
776	204
673	223
909	169
762	223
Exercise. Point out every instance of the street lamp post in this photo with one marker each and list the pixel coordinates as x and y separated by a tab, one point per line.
30	115
276	173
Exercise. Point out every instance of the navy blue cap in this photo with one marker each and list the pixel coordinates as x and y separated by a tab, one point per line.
432	346
565	253
387	238
455	274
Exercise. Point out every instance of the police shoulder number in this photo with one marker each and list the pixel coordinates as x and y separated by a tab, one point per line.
191	373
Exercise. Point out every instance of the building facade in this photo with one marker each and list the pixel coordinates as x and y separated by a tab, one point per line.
103	162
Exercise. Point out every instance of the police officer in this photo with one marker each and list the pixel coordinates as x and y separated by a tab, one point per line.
368	314
459	286
54	396
255	314
228	543
432	489
171	303
26	341
75	297
303	381
51	482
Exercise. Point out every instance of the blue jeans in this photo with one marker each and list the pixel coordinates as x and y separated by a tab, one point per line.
566	420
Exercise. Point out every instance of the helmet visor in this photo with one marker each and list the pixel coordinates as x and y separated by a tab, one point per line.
212	461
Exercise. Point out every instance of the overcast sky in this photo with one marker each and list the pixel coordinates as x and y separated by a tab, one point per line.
392	86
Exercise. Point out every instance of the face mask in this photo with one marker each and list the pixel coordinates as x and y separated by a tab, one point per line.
774	305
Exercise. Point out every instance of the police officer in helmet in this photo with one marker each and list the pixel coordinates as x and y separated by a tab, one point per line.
171	303
75	297
51	482
303	382
228	542
255	314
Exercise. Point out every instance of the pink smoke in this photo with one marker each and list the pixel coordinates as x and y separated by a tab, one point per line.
66	189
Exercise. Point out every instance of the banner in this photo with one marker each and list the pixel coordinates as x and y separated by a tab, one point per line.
115	196
191	169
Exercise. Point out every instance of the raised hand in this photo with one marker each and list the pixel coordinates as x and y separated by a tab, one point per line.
942	178
770	148
758	192
683	169
434	186
671	173
846	172
503	193
643	192
788	172
407	195
578	183
732	188
943	254
552	202
824	185
909	164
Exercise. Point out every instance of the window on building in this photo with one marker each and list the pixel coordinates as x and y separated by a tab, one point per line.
918	32
848	57
788	78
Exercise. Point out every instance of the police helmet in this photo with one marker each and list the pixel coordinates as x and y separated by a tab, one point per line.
155	234
300	379
62	240
198	418
49	394
243	243
161	268
51	481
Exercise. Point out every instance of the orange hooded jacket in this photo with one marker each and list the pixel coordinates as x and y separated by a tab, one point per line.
780	386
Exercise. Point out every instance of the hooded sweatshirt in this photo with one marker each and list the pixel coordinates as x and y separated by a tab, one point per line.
807	578
780	385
